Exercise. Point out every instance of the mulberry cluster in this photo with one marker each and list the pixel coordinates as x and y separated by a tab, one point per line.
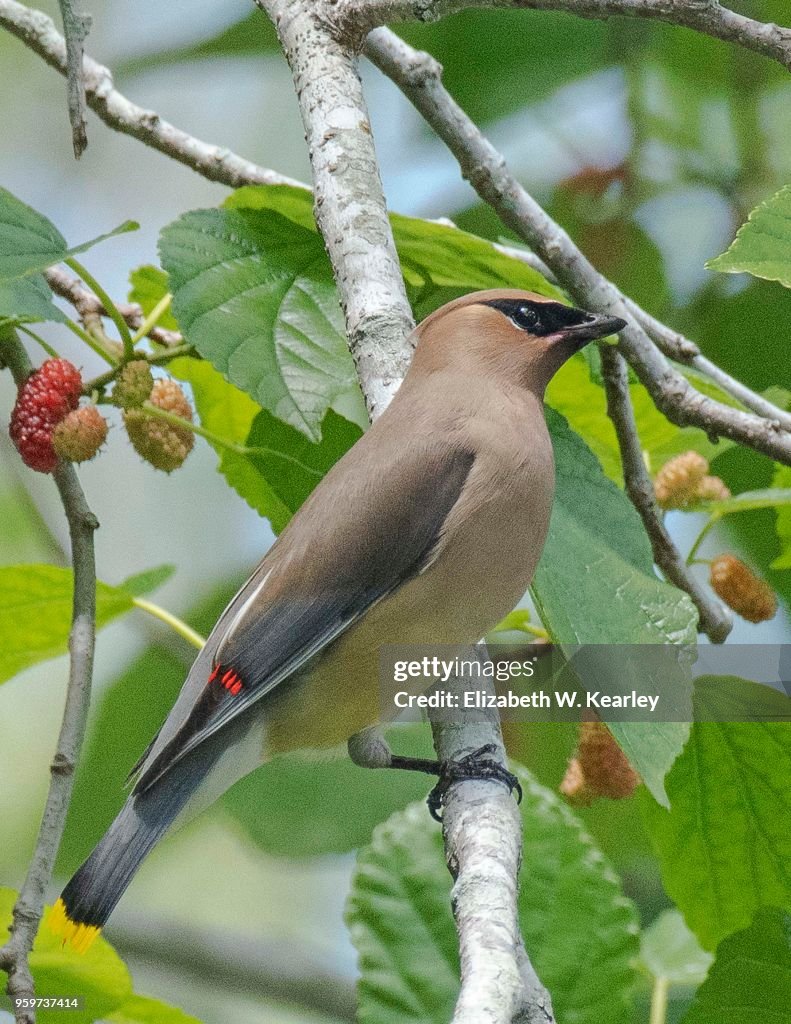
45	399
134	385
598	769
164	445
684	481
80	435
738	586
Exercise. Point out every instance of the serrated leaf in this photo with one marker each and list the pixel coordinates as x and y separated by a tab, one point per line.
750	981
30	242
99	976
28	301
724	845
578	928
598	551
762	246
253	293
669	951
142	1010
147	581
35	613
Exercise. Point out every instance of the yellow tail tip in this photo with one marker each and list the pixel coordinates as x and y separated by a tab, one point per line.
79	936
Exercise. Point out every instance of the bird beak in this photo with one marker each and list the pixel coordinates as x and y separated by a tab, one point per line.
594	326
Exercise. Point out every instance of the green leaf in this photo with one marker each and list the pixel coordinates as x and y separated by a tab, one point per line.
29	242
284	466
748	501
147	286
433	256
598	551
144	582
288	466
296	806
142	1010
35	613
438	257
750	982
100	976
254	294
724	845
28	301
669	951
762	246
579	929
782	479
581	400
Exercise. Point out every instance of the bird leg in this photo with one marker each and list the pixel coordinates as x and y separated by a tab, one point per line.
370	749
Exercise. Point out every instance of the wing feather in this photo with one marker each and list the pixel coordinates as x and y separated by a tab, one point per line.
315	584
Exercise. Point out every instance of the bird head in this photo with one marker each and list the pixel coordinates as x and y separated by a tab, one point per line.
521	337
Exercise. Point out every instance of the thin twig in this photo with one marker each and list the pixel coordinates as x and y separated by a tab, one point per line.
216	163
709	17
715	621
91	310
418	75
76	26
30	903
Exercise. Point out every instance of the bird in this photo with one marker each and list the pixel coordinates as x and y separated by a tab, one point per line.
428	530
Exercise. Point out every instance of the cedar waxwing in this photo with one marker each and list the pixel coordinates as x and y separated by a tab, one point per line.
427	531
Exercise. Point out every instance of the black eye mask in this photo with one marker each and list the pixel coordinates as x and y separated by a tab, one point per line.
541	318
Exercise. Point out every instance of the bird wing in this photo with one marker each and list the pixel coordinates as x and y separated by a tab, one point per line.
321	576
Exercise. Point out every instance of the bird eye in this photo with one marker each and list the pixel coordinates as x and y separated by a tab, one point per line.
526	318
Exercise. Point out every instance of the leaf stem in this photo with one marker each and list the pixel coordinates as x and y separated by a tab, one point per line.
91	342
107	302
223	442
154	359
175	623
710	522
32	334
153	318
659	1001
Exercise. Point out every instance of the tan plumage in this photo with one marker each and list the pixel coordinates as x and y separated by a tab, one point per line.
427	531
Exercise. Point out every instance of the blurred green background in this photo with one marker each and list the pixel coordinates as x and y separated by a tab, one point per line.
650	145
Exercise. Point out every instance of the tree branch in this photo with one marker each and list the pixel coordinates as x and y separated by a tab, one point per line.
90	310
482	827
38	32
418	75
30	903
706	16
715	622
76	26
349	204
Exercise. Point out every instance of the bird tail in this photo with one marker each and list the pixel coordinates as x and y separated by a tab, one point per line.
90	897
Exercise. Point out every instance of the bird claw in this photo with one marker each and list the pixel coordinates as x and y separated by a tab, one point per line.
480	764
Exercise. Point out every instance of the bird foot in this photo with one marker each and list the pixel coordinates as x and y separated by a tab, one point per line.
480	764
